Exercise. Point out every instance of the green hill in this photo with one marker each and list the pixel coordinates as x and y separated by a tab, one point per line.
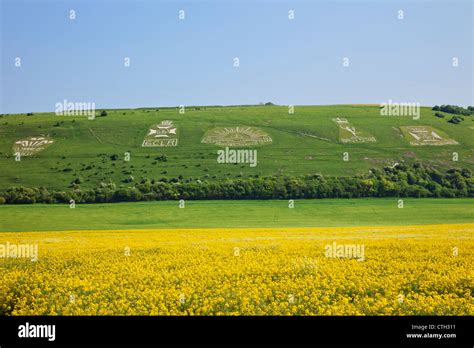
310	141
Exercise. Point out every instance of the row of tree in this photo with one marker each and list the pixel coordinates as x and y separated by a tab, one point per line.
454	109
401	181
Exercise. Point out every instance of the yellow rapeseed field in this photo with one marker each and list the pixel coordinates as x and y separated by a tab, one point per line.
404	270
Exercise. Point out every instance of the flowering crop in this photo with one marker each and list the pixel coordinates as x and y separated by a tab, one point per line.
405	270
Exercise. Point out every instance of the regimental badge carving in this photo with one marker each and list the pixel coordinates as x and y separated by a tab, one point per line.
31	145
349	134
426	135
236	136
160	135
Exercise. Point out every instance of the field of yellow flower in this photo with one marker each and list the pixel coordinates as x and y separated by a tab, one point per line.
404	270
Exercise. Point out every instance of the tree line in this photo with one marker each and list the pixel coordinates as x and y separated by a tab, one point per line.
416	180
454	109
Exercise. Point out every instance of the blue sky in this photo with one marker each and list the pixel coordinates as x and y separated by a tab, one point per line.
190	61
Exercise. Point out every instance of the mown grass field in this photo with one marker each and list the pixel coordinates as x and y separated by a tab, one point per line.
405	270
220	214
306	142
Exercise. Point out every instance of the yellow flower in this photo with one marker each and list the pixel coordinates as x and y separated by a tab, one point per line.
405	271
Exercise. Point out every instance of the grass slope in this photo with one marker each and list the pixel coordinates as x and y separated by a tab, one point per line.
207	214
303	143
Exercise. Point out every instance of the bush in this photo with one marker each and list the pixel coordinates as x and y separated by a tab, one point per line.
103	113
77	180
127	194
2	200
440	115
161	158
128	179
456	119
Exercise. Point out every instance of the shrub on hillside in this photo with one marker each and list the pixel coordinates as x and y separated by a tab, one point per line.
456	119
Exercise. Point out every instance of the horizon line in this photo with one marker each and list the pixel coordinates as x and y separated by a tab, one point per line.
236	105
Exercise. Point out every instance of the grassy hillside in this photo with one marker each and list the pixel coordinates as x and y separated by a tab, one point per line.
214	214
305	142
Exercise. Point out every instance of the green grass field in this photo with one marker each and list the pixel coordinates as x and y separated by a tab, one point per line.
305	142
197	214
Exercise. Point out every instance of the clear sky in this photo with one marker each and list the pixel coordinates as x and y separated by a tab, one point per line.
190	61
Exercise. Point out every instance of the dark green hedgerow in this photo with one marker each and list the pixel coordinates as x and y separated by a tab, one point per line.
401	181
